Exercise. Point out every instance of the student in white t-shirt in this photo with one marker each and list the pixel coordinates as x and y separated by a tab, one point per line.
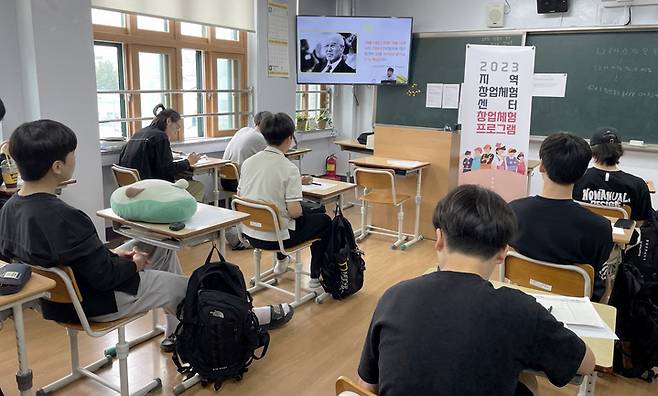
269	176
245	143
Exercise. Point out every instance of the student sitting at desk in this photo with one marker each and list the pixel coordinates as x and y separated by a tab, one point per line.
38	228
554	228
149	151
451	333
270	177
245	143
606	184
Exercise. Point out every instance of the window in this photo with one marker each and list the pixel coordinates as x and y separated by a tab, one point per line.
198	70
192	102
109	77
108	18
314	101
153	24
226	34
192	29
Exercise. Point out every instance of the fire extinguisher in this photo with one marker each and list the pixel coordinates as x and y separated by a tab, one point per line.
330	166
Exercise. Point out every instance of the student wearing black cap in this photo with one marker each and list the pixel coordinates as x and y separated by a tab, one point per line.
606	184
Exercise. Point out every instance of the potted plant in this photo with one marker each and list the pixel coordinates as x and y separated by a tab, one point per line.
302	121
323	119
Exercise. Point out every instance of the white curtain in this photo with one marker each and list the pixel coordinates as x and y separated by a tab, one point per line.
232	14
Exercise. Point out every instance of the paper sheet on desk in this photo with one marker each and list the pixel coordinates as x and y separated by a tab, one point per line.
577	314
617	230
402	163
318	186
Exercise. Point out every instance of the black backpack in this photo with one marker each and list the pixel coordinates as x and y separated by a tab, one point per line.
644	254
636	300
341	273
218	332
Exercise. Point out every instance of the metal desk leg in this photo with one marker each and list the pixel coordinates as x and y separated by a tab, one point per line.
417	236
588	386
24	374
222	241
215	173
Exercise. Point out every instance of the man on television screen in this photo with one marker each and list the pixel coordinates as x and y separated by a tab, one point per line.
333	47
390	78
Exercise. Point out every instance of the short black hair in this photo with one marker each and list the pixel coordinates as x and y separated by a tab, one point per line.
162	115
276	128
258	118
475	221
565	157
607	153
390	69
36	145
2	110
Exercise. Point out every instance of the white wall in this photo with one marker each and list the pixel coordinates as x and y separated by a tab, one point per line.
47	71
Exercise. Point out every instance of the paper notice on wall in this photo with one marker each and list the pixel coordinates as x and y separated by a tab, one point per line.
434	97
552	85
451	96
278	59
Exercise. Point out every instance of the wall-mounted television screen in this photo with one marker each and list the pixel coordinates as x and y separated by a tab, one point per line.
353	50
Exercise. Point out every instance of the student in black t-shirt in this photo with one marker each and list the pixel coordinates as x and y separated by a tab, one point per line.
552	226
450	332
606	184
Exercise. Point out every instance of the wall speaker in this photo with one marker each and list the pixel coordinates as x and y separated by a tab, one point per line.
495	15
550	6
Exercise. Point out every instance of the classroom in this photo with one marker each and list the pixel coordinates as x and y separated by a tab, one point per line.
328	197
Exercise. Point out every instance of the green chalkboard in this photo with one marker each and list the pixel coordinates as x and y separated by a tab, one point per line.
433	60
612	81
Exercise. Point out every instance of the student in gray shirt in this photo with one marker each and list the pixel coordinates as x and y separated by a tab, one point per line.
245	143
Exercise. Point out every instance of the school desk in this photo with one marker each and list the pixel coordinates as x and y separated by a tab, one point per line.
35	288
297	154
11	191
210	165
403	168
209	223
532	164
330	191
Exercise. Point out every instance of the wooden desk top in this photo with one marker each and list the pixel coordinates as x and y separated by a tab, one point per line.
208	163
207	219
297	152
35	286
603	349
353	145
381	162
10	191
621	239
652	187
338	188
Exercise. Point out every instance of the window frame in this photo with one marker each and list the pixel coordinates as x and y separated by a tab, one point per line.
133	39
122	81
325	102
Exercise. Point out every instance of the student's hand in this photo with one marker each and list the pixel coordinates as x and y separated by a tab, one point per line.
140	259
193	158
307	179
123	253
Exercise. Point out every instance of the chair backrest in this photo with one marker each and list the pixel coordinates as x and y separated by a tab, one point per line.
264	215
567	280
60	294
229	171
375	179
345	385
124	176
609	211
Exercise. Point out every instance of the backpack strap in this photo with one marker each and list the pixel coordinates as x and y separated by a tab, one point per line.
264	339
214	249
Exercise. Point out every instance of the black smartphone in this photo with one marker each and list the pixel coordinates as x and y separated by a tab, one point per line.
624	223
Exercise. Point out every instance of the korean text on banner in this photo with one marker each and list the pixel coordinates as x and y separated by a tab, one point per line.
495	116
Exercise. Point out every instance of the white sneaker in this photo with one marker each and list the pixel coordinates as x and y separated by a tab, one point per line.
281	266
314	283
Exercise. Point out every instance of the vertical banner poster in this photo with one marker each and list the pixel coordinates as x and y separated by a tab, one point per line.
495	115
278	61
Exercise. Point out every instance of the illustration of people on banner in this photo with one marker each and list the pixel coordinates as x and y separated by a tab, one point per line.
496	107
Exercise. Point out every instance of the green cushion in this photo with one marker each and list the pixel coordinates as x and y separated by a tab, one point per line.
154	201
